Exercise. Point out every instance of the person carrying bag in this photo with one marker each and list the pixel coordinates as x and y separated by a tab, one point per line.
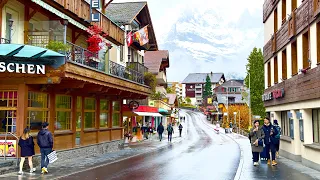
257	144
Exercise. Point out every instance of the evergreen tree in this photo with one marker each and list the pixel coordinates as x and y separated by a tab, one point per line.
255	71
207	88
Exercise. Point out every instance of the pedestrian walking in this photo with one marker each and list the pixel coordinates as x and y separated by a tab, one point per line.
180	129
276	126
230	125
160	130
257	135
270	141
150	130
27	150
45	142
170	132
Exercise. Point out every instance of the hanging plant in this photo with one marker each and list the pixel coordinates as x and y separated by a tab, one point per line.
95	39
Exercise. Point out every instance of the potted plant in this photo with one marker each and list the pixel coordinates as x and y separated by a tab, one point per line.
58	46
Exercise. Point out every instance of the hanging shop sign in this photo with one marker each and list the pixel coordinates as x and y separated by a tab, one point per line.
275	94
95	4
22	68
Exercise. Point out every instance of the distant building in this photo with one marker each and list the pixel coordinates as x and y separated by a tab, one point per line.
230	92
177	87
193	85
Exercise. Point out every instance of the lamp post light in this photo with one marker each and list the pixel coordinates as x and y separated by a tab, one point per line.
10	24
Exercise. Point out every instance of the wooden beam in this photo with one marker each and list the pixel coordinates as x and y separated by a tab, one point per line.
75	37
92	88
106	5
71	84
33	13
2	3
38	80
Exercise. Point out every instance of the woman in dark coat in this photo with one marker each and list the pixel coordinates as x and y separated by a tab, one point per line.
27	149
256	134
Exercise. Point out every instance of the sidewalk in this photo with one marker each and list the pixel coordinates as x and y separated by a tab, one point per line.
286	169
64	167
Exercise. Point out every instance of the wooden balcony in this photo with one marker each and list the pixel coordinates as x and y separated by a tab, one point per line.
80	11
298	88
268	7
296	24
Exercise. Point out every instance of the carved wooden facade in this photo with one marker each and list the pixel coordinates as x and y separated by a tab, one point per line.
297	23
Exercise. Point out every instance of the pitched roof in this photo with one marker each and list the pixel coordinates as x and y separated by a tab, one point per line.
233	83
201	78
124	13
172	98
153	59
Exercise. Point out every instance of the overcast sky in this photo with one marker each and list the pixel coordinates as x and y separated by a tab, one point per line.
206	35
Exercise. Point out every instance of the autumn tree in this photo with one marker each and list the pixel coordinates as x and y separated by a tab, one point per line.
240	110
255	81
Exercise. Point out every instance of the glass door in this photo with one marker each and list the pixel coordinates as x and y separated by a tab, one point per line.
78	120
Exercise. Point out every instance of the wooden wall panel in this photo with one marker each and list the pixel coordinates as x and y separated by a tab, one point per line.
78	8
268	7
298	88
63	141
104	136
61	2
70	5
89	138
284	36
116	134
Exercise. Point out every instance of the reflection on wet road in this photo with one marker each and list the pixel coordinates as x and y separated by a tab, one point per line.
202	155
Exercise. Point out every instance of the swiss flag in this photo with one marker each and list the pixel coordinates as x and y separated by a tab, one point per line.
129	39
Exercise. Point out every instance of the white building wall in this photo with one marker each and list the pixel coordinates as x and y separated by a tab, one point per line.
268	28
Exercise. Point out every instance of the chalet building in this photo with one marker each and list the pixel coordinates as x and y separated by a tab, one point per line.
80	93
134	18
193	85
291	58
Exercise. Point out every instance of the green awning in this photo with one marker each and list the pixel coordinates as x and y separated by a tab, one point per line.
163	111
30	54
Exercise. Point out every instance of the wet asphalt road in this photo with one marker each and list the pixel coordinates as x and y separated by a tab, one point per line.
202	155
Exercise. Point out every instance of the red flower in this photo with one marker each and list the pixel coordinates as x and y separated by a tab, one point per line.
95	38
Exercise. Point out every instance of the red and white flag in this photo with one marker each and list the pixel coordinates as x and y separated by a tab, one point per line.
129	39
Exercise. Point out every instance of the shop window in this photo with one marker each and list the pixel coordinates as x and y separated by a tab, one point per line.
8	111
294	60
318	42
37	110
89	113
115	113
316	125
285	125
284	64
104	113
275	69
63	112
79	113
305	49
269	74
284	10
275	20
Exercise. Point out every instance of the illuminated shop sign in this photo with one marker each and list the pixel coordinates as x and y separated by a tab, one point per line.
22	68
95	4
275	94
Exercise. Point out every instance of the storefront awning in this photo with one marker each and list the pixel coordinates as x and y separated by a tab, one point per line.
148	114
31	54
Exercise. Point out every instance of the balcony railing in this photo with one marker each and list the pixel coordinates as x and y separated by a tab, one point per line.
4	41
137	67
124	72
87	58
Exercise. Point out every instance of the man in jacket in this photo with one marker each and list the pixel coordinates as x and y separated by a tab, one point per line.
180	129
170	132
270	140
45	142
160	130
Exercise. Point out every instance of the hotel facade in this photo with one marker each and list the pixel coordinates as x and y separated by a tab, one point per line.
292	84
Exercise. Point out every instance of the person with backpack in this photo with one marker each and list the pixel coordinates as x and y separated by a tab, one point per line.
27	150
256	136
160	130
45	142
276	126
180	129
170	132
270	141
